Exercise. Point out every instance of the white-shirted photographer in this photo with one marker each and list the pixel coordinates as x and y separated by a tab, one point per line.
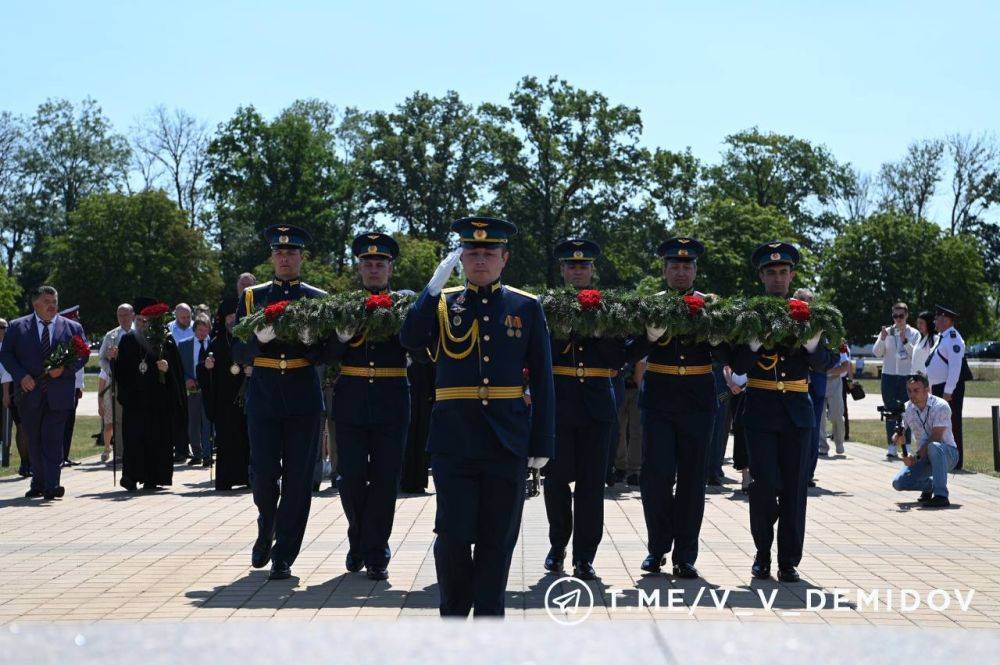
895	344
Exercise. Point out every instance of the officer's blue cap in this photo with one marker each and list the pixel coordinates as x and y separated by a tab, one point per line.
375	245
680	248
941	309
483	231
286	236
577	249
71	312
771	253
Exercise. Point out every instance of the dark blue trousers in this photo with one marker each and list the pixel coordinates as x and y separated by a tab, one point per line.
779	462
283	448
369	461
674	452
479	502
46	429
582	447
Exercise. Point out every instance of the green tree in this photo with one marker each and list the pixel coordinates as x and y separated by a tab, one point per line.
425	162
730	232
782	172
118	246
555	152
10	296
891	257
279	172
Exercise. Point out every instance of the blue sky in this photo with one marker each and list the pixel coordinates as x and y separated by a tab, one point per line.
863	78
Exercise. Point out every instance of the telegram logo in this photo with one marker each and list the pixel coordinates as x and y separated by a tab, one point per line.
569	601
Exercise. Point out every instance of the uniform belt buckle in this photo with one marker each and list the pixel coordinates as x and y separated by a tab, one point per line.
282	364
484	392
580	371
682	370
371	372
781	386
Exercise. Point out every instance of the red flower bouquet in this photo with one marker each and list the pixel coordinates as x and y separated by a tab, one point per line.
695	303
153	311
378	301
799	310
589	299
64	356
274	310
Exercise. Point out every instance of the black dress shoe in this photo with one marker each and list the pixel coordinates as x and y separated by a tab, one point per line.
812	482
713	481
938	502
24	472
207	462
280	571
127	483
925	497
632	480
789	575
33	494
761	570
653	563
261	552
378	574
194	461
315	487
69	462
59	492
685	571
554	561
353	563
584	570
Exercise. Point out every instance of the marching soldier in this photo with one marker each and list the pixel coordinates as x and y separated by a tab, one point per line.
371	407
483	435
284	404
947	370
778	420
678	403
585	411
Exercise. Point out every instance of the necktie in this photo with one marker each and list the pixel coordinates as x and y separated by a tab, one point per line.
203	353
46	347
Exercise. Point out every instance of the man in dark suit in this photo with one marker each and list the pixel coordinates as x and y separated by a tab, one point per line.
29	342
193	353
371	407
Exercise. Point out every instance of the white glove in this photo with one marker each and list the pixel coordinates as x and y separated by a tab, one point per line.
443	272
813	342
306	336
345	335
537	462
266	334
653	334
739	380
754	345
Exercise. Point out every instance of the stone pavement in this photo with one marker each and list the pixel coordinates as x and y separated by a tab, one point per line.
183	554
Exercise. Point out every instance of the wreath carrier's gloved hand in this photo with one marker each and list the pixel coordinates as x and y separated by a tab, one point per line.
266	334
654	334
537	462
345	335
754	345
813	342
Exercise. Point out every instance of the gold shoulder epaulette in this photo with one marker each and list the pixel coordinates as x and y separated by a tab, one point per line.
523	293
452	289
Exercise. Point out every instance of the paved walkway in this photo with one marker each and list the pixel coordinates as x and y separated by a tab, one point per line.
183	555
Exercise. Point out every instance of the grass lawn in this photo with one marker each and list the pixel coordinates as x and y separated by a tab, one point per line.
83	443
972	388
977	440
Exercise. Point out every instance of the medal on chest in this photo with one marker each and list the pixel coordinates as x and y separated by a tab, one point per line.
143	366
234	369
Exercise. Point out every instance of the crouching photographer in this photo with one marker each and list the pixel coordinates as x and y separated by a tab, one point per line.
928	419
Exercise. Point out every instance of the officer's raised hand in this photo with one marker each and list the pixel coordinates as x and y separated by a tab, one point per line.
813	342
537	462
443	271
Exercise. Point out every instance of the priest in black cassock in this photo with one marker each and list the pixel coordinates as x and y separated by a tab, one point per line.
221	378
154	412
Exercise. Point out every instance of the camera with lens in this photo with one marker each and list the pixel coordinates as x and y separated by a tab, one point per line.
894	416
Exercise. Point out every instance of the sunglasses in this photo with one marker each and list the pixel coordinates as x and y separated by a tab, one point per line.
899	316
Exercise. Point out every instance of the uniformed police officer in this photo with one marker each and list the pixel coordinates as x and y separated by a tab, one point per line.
778	420
585	411
284	404
678	402
483	435
947	369
371	406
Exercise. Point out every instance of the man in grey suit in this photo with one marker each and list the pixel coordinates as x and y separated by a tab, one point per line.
193	353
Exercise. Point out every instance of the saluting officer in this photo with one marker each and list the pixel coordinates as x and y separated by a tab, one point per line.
947	370
284	405
585	411
483	435
371	406
678	403
778	420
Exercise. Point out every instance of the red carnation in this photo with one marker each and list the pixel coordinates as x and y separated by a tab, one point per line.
378	301
81	347
153	311
799	310
274	310
695	303
589	299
